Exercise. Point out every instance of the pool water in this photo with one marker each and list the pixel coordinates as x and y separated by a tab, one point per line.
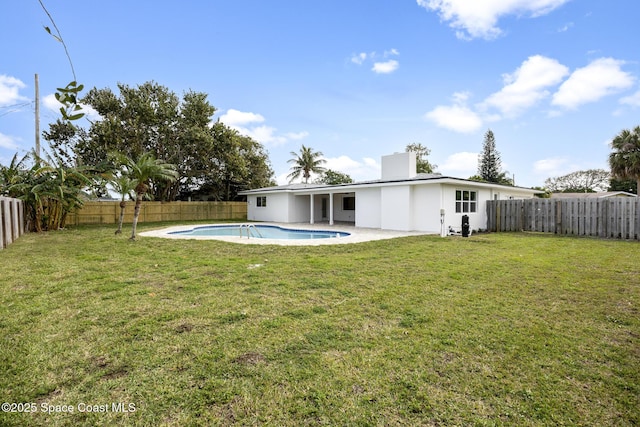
257	231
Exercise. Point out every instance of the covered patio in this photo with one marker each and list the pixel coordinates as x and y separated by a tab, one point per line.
329	207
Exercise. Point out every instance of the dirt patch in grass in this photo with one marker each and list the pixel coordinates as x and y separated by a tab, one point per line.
250	358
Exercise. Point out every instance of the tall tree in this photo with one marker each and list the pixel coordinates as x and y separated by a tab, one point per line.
587	181
422	163
489	162
209	157
150	118
624	159
145	171
305	163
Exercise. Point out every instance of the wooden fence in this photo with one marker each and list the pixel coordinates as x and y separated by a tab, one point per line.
12	223
109	212
613	217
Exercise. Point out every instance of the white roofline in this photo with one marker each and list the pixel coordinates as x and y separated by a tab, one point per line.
347	188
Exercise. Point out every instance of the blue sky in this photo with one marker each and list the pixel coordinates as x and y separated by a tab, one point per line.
555	80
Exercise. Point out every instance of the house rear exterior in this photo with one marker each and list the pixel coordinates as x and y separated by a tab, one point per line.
401	200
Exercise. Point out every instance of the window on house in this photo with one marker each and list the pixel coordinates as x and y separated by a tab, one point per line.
348	203
466	201
261	201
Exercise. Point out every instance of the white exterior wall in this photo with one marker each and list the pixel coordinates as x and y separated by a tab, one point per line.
368	210
477	219
403	206
396	208
427	202
277	208
299	208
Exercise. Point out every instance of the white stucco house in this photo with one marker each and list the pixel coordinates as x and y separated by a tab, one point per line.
401	200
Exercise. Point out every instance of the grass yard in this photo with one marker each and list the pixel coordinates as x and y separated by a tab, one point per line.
497	329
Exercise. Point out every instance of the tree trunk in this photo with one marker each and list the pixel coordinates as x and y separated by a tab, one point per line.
122	206
136	214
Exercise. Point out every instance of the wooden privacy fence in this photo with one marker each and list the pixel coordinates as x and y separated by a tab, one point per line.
12	223
109	212
613	217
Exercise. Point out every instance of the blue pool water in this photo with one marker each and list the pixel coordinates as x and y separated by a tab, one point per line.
258	231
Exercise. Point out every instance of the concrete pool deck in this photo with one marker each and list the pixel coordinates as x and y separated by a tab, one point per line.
356	234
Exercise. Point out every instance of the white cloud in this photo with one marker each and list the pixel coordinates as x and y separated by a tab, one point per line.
527	85
283	179
262	134
246	124
367	169
632	100
463	164
600	78
51	102
380	67
555	166
359	58
372	163
565	28
457	117
479	18
236	118
7	142
297	136
386	67
9	91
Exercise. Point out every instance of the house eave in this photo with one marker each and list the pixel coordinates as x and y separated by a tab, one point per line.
306	189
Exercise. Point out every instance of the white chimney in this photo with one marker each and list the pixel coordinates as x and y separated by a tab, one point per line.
399	166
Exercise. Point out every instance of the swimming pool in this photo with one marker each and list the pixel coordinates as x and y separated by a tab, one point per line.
260	231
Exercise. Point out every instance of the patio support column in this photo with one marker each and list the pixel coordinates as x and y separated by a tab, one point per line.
330	208
311	208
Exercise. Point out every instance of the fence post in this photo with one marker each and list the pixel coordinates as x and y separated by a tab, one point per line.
558	217
6	223
1	223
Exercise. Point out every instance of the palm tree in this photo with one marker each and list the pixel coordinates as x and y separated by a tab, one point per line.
625	158
143	171
305	163
124	186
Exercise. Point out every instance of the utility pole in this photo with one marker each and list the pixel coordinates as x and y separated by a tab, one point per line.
37	118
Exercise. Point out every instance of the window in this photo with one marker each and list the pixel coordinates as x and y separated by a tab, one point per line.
348	203
261	201
466	201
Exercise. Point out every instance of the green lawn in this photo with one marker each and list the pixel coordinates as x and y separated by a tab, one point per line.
497	329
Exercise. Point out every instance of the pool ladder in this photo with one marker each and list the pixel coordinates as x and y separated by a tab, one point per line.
248	228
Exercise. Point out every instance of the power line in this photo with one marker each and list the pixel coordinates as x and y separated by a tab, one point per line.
17	108
16	105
